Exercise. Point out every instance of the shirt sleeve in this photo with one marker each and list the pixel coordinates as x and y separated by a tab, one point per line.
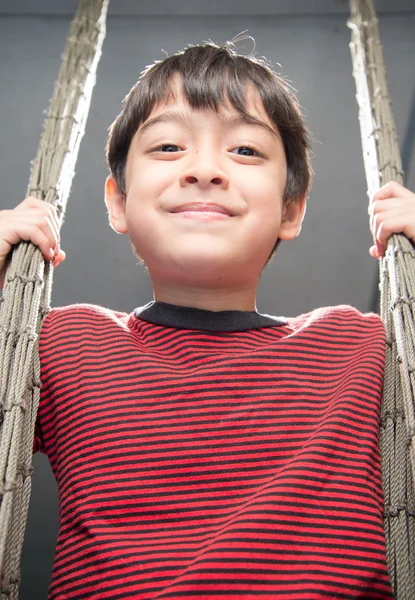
38	441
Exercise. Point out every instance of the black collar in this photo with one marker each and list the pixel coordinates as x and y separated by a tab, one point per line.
187	317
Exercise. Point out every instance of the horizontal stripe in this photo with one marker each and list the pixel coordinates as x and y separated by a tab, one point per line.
237	463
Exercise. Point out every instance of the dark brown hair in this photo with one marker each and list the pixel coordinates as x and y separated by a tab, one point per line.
211	77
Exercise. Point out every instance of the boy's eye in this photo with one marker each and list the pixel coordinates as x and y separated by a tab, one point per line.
167	148
240	150
246	151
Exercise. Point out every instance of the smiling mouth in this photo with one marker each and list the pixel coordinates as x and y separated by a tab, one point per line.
204	207
202	215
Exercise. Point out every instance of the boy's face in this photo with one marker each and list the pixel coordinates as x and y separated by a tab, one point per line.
182	155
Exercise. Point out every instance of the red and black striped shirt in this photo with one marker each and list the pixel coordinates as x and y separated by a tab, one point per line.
203	454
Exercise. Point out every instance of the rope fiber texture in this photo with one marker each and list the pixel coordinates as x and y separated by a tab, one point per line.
397	302
28	282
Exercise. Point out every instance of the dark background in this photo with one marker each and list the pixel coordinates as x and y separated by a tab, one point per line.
328	264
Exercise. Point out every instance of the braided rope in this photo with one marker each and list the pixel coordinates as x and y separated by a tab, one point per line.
28	282
397	286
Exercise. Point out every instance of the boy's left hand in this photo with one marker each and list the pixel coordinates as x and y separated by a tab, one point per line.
391	210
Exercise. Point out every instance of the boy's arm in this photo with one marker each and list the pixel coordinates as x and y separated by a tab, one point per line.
391	210
32	220
36	221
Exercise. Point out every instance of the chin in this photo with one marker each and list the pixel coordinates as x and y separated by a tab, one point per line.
194	268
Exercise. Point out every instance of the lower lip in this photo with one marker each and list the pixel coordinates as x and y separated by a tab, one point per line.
205	215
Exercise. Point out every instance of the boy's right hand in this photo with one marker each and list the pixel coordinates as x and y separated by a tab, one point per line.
32	220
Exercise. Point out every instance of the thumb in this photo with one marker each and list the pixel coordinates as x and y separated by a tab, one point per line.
373	252
59	258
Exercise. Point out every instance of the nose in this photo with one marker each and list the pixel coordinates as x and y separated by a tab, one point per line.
204	171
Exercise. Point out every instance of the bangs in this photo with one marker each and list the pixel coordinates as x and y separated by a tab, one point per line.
216	91
206	82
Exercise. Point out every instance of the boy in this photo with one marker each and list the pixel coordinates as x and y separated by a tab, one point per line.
202	449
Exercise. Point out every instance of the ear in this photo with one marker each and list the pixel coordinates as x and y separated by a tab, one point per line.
293	214
115	202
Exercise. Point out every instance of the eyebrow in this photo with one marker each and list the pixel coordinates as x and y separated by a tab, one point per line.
228	121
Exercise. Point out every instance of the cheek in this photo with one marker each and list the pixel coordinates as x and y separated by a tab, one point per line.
266	222
265	200
264	193
144	181
266	181
144	190
145	185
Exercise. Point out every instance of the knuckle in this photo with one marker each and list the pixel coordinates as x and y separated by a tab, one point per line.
42	222
37	232
32	201
394	187
388	189
48	220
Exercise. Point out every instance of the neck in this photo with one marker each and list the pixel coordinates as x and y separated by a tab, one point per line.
213	299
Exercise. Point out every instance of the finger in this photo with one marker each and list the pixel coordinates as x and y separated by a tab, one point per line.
31	202
33	227
382	209
53	221
49	214
399	216
60	257
41	207
392	189
388	227
55	234
37	218
44	219
375	207
32	233
376	252
387	204
373	252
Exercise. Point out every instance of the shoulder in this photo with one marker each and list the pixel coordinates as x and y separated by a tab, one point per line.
81	317
343	318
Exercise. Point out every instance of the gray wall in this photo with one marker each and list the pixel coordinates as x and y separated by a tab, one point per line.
328	264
